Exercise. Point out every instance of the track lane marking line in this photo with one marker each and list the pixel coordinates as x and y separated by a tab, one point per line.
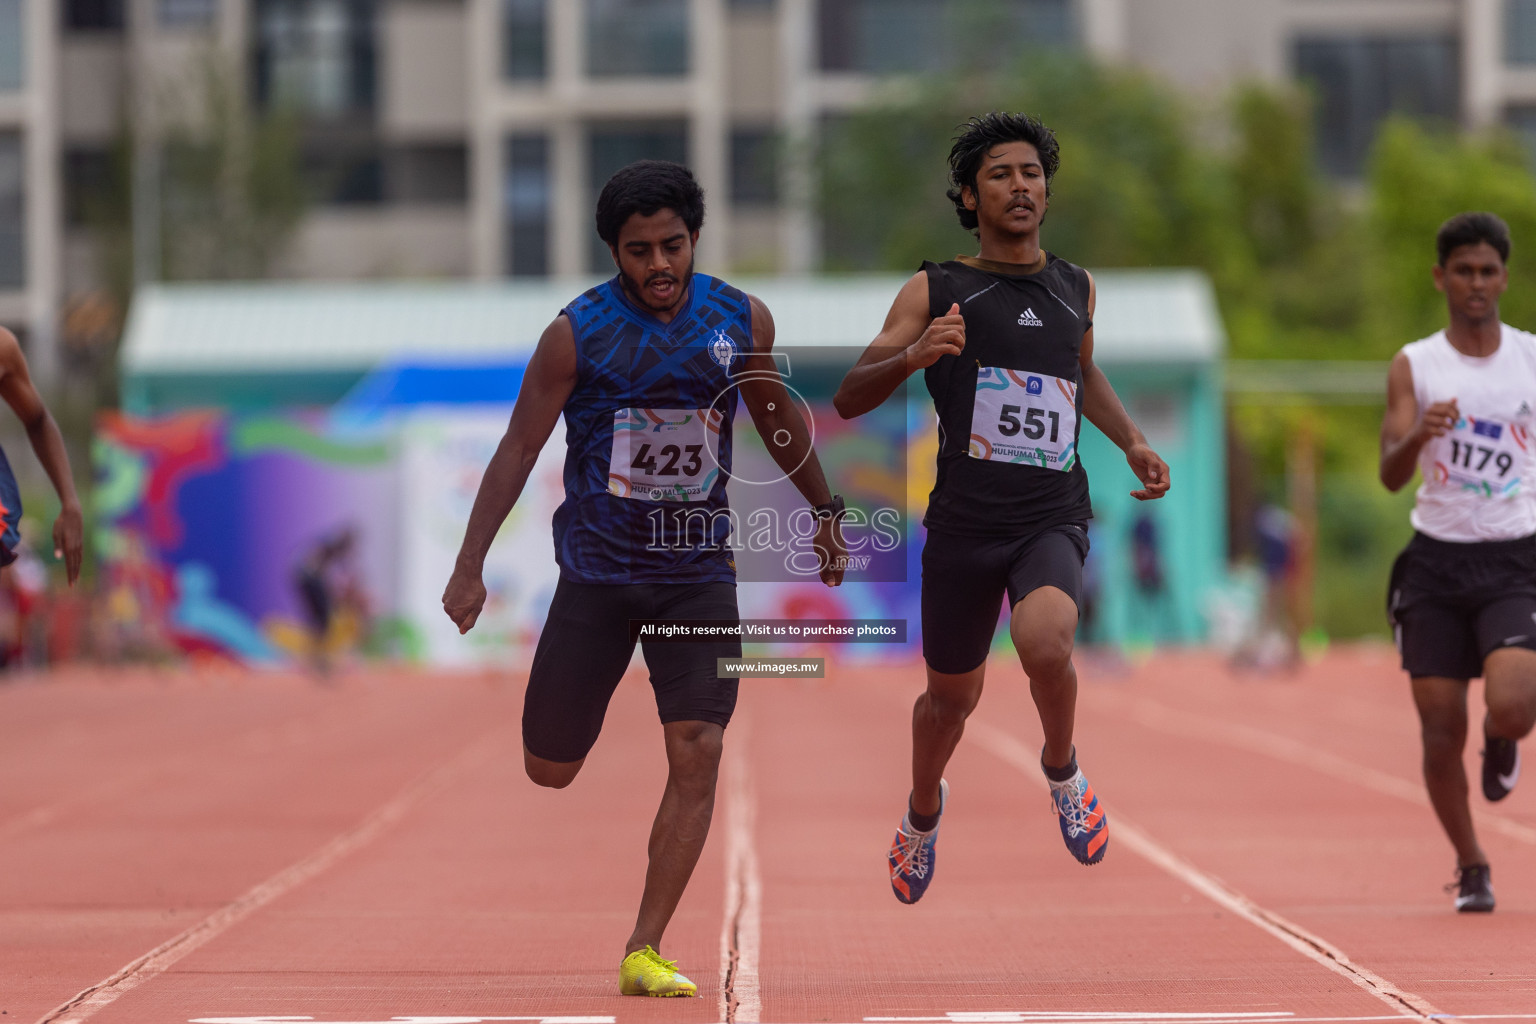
1193	725
160	959
1010	750
741	930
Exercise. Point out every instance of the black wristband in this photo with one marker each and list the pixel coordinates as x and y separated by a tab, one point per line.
833	509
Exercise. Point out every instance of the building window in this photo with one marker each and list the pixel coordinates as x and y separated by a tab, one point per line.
429	174
316	55
349	173
94	15
754	166
889	36
611	147
1520	31
527	200
13	220
525	39
88	184
637	37
1522	121
1360	81
188	13
12	64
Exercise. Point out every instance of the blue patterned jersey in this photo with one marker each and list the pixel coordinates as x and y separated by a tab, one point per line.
10	512
648	437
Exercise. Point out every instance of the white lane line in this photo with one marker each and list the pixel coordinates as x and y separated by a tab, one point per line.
1009	749
1193	725
1045	1017
741	931
160	959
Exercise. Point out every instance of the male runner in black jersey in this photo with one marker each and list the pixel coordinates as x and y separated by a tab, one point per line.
1005	342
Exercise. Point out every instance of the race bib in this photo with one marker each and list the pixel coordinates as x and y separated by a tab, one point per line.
664	454
1484	456
1026	418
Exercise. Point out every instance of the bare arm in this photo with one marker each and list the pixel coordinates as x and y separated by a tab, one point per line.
786	436
1102	408
1403	431
21	395
909	341
547	384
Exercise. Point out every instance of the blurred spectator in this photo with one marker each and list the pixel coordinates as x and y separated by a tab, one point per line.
1275	642
332	596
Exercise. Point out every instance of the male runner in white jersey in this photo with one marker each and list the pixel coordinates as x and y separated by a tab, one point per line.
1462	599
1005	342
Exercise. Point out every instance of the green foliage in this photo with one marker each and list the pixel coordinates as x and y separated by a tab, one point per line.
1419	177
230	186
1132	190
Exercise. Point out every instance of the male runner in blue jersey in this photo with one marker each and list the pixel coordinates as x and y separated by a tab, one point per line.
646	369
1005	343
21	395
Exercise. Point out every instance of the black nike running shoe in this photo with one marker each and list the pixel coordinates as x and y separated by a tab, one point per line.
1501	766
1473	888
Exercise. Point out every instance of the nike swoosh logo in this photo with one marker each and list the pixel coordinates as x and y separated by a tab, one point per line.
1508	781
1510	641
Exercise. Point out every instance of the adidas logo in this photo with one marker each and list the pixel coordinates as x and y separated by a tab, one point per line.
1028	319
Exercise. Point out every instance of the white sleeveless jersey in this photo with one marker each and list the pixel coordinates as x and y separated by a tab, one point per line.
1479	480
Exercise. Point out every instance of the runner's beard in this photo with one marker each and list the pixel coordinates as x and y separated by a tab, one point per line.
636	292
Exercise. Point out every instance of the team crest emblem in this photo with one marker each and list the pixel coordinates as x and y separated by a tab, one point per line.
722	349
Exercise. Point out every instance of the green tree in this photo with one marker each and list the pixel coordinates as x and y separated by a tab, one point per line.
231	187
1133	189
1419	177
231	193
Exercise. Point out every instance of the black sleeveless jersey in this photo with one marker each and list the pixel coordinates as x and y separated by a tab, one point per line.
1010	405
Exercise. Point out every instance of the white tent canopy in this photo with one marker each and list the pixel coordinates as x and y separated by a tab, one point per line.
1143	316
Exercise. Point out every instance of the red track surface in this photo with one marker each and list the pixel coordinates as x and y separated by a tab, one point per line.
371	850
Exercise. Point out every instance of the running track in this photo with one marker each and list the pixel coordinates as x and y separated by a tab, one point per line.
212	844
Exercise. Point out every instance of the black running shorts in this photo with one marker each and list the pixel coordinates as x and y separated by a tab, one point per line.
585	649
964	579
1450	604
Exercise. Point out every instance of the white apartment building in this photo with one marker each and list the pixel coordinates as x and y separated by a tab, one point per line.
468	138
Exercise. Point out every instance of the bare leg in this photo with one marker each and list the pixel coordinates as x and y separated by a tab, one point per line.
1510	690
1043	626
1442	705
681	826
938	722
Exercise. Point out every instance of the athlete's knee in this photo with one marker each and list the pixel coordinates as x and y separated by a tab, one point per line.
694	750
1443	739
1511	711
950	698
550	774
1045	654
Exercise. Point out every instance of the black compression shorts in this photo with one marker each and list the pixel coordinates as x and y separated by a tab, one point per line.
585	649
1451	605
964	579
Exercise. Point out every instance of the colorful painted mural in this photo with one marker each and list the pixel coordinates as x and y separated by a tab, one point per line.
205	521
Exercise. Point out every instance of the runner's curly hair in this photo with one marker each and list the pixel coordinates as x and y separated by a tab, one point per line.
644	187
1470	229
981	134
